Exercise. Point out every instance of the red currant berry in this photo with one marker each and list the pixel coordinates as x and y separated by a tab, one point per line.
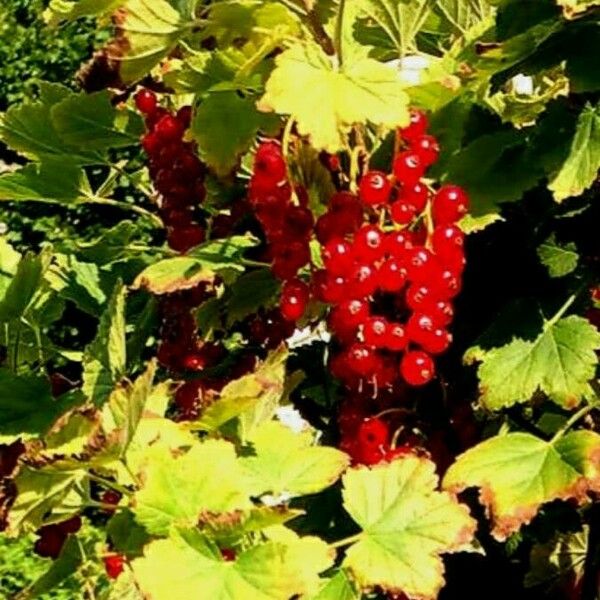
50	543
417	368
427	147
375	188
228	554
151	144
368	243
396	338
362	359
419	297
417	126
392	275
436	341
421	265
408	167
397	243
169	129
294	298
445	284
182	239
110	498
329	288
373	433
338	257
146	101
269	164
362	282
447	239
347	316
441	312
402	212
450	204
415	194
375	332
184	116
419	326
114	565
72	525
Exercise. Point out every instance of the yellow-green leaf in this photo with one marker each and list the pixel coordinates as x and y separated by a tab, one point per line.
327	101
518	472
406	526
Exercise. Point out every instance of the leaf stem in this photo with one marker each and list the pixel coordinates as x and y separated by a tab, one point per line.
346	541
110	484
582	412
560	314
339	32
127	206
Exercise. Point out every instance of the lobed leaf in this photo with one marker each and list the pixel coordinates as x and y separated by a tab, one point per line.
406	525
518	472
326	102
560	363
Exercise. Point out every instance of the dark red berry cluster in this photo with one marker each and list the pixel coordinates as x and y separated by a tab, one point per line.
175	169
178	175
287	223
52	538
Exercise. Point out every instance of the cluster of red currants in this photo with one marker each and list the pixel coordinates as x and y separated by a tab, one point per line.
175	169
368	440
287	223
393	259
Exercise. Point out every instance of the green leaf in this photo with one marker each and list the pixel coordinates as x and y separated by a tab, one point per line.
250	292
24	285
111	246
518	472
560	363
470	224
224	253
216	486
149	30
580	169
172	275
224	126
104	360
339	587
59	11
45	182
560	560
560	260
288	462
262	572
406	525
77	281
400	20
326	102
40	492
68	562
124	409
9	261
480	167
126	536
28	129
253	396
90	121
228	529
27	408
